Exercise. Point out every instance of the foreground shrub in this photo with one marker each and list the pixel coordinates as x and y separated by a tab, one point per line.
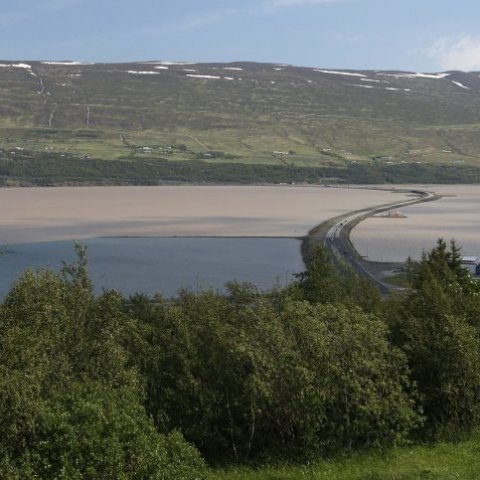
70	407
250	375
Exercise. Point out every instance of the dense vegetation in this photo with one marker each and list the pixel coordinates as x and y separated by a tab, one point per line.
113	387
28	168
70	402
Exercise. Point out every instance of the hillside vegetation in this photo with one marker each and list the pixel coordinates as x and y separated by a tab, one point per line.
240	113
155	388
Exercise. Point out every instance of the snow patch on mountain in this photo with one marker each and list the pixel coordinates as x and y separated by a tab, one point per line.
168	64
337	72
66	63
389	89
362	86
461	85
207	77
434	76
146	72
373	80
16	65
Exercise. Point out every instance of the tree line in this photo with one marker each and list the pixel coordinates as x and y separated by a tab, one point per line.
50	168
105	386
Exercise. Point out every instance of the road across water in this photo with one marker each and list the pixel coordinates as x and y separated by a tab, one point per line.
337	238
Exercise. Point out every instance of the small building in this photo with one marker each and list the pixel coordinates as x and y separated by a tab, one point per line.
472	264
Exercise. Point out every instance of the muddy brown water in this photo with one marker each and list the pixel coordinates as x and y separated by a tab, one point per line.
456	216
138	238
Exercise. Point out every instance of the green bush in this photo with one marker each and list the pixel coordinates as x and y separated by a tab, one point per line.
70	407
437	326
249	375
108	387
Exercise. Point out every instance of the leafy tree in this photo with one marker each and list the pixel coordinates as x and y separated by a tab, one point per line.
349	386
70	406
94	431
320	282
329	281
437	326
249	375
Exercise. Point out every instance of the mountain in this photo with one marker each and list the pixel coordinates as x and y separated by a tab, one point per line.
241	112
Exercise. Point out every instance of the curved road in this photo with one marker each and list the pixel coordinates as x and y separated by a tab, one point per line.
337	240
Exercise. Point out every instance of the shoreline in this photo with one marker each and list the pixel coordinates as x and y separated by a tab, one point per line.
334	234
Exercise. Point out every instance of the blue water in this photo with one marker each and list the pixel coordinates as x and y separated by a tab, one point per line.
164	265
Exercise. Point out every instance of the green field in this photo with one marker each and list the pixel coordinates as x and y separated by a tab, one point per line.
445	461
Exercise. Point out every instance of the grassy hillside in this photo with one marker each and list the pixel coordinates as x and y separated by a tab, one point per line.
241	113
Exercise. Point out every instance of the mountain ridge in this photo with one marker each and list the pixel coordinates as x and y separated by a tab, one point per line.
241	112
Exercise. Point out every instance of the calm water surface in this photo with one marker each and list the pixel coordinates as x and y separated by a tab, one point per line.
164	265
